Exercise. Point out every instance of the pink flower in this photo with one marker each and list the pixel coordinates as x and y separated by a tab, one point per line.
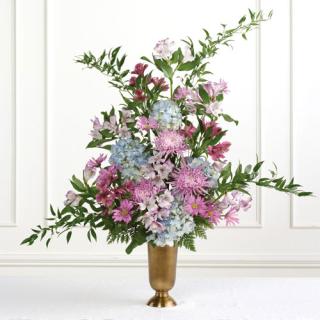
188	181
139	69
215	128
106	177
132	81
220	87
217	152
145	123
195	205
170	142
139	95
106	197
231	218
92	164
160	83
164	49
97	126
213	214
145	189
215	88
189	130
181	93
123	213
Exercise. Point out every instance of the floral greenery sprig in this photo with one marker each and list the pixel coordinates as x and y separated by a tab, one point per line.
166	180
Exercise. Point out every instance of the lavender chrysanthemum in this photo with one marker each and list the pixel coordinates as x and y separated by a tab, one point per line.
189	181
170	142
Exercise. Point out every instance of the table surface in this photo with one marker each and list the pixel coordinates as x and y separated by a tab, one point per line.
120	294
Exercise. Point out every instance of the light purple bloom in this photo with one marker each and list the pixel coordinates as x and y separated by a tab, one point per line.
164	49
145	123
165	200
72	199
123	212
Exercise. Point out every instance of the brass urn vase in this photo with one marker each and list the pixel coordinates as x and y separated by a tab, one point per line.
162	274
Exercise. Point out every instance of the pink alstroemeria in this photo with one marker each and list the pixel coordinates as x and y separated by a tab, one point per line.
215	129
195	205
92	164
160	83
181	93
145	123
132	81
123	212
217	152
139	95
139	69
189	130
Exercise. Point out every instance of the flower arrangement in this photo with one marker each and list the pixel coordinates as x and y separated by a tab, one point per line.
166	179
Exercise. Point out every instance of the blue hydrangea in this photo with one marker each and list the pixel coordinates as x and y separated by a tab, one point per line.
207	169
175	226
130	155
167	113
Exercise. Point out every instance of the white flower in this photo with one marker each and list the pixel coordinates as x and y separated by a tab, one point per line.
214	108
111	125
72	199
187	55
164	49
164	169
149	204
165	199
147	171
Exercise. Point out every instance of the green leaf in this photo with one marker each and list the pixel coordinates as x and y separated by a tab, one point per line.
164	66
204	95
187	66
69	234
77	184
228	118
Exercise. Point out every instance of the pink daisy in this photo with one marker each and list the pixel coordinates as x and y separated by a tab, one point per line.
143	190
195	205
212	214
123	213
231	218
170	142
145	123
188	181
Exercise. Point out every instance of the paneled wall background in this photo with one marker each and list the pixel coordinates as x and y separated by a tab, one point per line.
47	102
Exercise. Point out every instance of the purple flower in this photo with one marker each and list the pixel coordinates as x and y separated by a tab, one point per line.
123	212
195	205
145	123
92	164
170	142
181	93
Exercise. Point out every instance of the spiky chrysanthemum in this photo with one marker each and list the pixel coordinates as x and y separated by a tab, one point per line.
170	142
190	181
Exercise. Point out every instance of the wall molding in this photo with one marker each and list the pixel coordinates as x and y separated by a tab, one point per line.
184	261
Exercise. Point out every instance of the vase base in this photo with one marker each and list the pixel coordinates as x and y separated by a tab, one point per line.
161	300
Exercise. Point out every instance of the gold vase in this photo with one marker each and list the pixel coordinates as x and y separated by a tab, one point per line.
162	274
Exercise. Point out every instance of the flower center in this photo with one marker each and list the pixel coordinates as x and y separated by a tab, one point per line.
194	206
124	212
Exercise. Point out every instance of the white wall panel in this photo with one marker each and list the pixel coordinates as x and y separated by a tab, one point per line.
305	110
7	113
